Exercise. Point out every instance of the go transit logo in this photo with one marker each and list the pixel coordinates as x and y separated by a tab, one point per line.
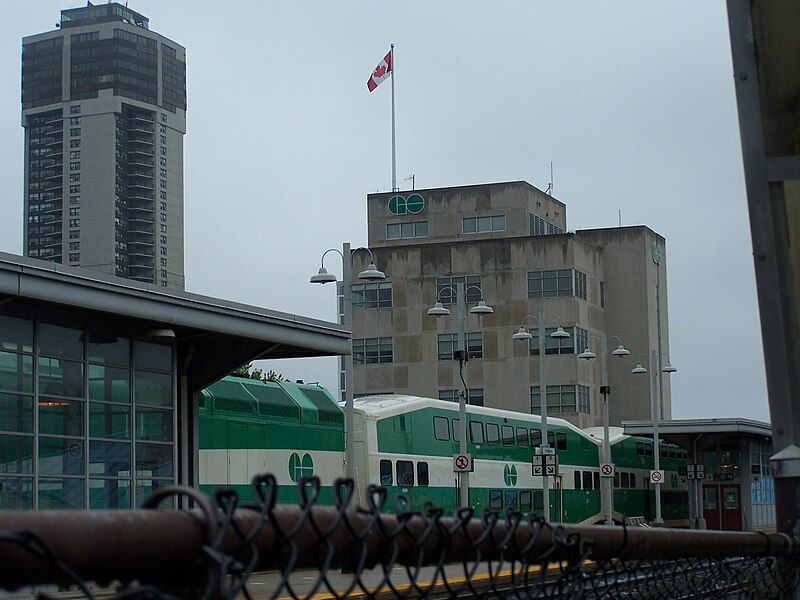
510	475
300	467
413	205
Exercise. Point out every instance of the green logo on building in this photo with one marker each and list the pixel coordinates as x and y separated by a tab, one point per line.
413	205
510	475
300	468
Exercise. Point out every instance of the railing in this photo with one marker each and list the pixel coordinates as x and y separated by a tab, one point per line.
216	550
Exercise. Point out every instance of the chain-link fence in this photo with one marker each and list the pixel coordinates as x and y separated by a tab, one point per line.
222	549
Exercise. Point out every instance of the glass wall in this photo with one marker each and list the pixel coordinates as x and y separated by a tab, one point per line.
87	418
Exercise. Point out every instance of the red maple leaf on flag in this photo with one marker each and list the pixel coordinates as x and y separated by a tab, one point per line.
380	71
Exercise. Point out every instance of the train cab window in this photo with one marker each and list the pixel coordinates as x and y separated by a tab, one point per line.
525	501
476	432
441	429
672	452
405	473
423	477
663	450
577	476
596	477
522	437
492	434
456	431
551	439
386	472
510	499
616	479
648	449
495	499
587	480
640	448
508	435
536	438
561	441
626	481
538	501
633	480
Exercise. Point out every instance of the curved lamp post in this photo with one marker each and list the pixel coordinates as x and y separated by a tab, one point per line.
605	390
523	334
371	273
439	310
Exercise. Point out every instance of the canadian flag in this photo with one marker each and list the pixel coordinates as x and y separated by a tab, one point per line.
381	72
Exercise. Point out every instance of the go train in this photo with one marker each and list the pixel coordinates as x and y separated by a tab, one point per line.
406	443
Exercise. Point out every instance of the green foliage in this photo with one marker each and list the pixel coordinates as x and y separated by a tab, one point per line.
247	371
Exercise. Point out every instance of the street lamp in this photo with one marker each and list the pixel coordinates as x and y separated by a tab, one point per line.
655	411
439	310
523	334
605	390
371	273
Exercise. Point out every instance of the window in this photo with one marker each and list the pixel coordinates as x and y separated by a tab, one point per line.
587	480
596	479
163	172
74	257
495	499
581	339
162	183
74	199
163	161
162	128
446	288
405	231
75	131
163	216
447	343
540	226
163	139
75	110
386	472
422	474
163	239
75	211
441	429
74	245
372	295
550	284
163	118
561	441
75	121
536	438
560	399
74	222
163	228
162	195
580	285
492	434
626	481
475	396
75	189
648	449
74	234
372	350
633	480
584	403
525	501
163	262
508	435
163	206
74	143
163	151
577	479
405	473
75	166
163	251
640	448
552	345
483	224
602	294
163	273
73	177
616	479
456	431
75	154
522	437
476	432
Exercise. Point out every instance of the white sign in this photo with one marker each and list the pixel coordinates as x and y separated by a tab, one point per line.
551	459
538	470
537	461
462	463
541	450
606	470
551	470
657	476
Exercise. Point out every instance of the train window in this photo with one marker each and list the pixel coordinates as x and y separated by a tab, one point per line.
596	476
536	438
441	429
405	473
616	479
626	481
511	499
640	448
577	476
633	480
492	434
476	432
508	435
422	474
587	480
522	437
648	449
495	499
672	452
663	450
525	501
551	439
456	431
561	441
386	472
538	501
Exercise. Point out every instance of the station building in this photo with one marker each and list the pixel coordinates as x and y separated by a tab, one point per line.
509	243
100	376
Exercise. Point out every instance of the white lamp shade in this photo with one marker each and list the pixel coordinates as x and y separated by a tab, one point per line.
620	351
522	335
323	277
372	273
668	368
559	333
638	369
481	309
438	310
587	354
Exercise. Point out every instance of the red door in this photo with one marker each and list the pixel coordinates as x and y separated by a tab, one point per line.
711	506
731	508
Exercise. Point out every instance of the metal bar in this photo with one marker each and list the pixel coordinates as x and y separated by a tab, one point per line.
164	546
654	367
461	311
543	410
349	409
607	482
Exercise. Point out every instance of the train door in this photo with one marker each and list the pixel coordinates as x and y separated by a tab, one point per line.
711	512
730	507
558	505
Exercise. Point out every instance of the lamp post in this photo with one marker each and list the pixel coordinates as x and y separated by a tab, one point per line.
439	310
371	273
605	390
522	334
655	411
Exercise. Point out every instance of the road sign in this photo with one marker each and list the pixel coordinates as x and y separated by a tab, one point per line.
541	450
462	463
606	470
657	476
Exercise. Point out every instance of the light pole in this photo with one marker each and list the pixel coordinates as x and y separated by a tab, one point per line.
522	334
655	412
371	273
439	310
605	390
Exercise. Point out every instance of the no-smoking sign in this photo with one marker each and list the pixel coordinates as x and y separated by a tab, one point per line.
462	463
606	470
657	476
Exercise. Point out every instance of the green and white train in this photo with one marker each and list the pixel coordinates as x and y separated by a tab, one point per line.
406	444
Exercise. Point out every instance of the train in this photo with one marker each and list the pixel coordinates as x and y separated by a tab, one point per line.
407	443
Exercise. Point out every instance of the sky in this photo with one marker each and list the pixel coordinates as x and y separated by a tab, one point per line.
632	101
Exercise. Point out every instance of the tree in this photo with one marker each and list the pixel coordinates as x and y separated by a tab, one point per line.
248	372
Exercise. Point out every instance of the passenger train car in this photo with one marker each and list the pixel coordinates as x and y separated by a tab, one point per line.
406	443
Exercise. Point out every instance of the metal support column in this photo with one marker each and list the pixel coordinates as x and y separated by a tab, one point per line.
543	403
349	411
463	397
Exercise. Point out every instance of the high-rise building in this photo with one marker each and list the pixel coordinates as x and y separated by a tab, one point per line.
509	244
104	112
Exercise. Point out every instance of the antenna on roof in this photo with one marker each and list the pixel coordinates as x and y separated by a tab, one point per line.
549	191
411	177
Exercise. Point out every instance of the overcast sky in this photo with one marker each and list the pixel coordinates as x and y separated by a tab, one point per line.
632	101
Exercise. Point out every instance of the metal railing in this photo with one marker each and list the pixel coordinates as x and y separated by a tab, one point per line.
215	550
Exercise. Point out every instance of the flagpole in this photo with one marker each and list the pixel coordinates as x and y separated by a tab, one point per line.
394	151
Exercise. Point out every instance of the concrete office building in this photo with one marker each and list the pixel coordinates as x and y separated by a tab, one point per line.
509	243
104	112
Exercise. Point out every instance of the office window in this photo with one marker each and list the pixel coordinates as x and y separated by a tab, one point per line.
75	131
475	396
405	231
75	154
163	139
74	177
447	343
441	429
584	402
74	222
75	110
163	216
163	184
483	224
163	118
550	284
540	226
162	128
163	206
163	228
163	151
75	189
372	294
163	239
162	195
580	285
163	273
74	199
74	257
581	339
372	351
74	234
75	211
163	262
74	143
75	121
446	288
560	399
163	161
551	345
163	251
75	166
74	245
163	172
